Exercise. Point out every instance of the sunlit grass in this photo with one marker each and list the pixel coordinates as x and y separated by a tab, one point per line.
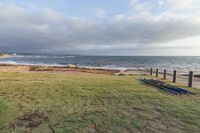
92	103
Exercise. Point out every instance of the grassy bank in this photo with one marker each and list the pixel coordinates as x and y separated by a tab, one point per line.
68	102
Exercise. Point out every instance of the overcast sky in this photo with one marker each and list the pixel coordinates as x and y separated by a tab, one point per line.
101	27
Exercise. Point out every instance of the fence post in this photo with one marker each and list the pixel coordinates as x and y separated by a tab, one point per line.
190	79
156	72
151	71
174	76
165	72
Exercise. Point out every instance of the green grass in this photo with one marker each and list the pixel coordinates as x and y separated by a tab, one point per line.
64	102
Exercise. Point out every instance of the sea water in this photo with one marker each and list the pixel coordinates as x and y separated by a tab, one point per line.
182	63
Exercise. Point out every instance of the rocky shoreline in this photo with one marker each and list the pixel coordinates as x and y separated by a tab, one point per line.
30	68
3	55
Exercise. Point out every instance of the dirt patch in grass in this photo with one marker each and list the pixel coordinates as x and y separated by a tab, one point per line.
72	69
83	103
29	68
28	121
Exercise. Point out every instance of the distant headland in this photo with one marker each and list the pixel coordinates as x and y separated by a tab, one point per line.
6	55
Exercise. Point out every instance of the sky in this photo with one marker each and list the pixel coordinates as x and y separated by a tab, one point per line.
101	27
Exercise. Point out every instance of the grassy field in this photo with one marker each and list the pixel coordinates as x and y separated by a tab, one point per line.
67	102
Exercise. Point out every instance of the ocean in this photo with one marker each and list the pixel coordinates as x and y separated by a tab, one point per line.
181	63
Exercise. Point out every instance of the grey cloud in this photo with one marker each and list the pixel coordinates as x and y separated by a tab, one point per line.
50	31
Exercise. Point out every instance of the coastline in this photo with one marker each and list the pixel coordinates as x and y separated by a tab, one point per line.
3	56
41	68
181	79
183	65
70	67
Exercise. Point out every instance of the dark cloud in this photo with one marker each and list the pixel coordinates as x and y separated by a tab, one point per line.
50	31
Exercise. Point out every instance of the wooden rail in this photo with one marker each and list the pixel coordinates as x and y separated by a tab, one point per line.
190	76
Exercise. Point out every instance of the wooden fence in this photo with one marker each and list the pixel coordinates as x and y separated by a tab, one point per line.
174	79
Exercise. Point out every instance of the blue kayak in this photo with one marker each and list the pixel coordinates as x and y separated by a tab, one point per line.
167	87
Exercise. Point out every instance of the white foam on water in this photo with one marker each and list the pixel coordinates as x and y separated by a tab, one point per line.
110	67
180	64
44	56
8	62
30	64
